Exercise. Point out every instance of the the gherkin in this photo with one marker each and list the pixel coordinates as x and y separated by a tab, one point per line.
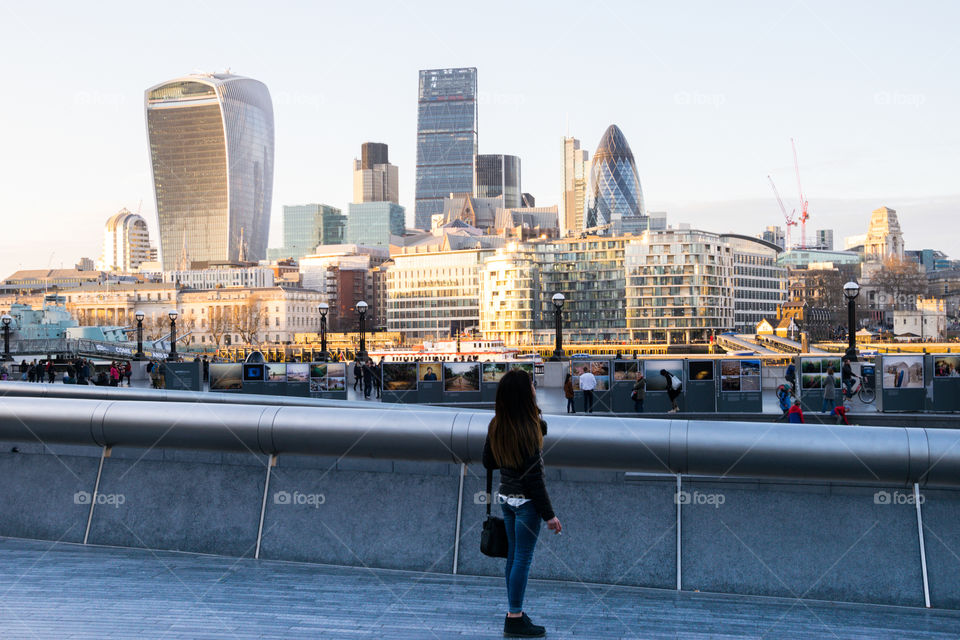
615	192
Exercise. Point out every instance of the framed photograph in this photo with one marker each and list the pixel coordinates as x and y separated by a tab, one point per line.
276	372
652	368
700	369
946	366
523	366
730	383
226	376
336	370
430	371
625	370
336	384
750	383
902	372
318	369
493	371
750	367
298	372
461	376
254	372
729	367
399	376
811	381
599	368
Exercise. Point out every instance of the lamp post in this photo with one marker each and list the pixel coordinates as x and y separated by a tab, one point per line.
139	316
558	316
323	308
362	310
851	290
6	320
173	335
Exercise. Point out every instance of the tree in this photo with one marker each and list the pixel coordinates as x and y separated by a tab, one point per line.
218	323
248	318
899	283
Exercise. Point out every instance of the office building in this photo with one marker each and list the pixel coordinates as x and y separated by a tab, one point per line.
616	200
374	223
343	275
446	139
211	150
527	200
575	177
305	226
126	243
759	283
374	178
499	175
823	239
774	235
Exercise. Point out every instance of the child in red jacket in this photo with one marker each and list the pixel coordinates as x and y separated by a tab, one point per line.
796	413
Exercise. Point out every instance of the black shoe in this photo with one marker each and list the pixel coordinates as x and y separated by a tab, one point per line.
522	627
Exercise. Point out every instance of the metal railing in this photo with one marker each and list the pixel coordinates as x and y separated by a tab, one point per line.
873	455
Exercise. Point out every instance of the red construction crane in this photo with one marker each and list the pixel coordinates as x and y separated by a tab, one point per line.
788	218
804	216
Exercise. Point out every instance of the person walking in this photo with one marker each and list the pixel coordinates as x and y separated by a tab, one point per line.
367	379
674	387
829	391
639	393
791	377
51	372
357	373
588	382
377	382
127	371
114	375
514	445
568	393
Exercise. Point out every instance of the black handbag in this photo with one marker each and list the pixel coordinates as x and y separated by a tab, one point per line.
493	538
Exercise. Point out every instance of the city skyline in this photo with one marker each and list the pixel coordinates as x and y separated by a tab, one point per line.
703	142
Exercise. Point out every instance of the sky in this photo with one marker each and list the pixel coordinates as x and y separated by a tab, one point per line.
707	94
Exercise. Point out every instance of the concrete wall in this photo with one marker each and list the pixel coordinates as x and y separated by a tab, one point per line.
794	539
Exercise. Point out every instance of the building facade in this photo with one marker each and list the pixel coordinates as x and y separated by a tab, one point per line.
823	239
759	283
306	226
374	178
499	175
510	295
884	238
126	243
615	195
211	149
446	139
374	223
575	180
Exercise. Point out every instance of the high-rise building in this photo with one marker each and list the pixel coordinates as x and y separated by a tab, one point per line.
824	239
574	186
126	243
527	200
759	283
307	225
373	223
774	235
615	195
499	175
446	139
374	178
884	238
211	151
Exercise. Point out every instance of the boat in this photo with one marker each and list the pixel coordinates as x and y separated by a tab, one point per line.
449	351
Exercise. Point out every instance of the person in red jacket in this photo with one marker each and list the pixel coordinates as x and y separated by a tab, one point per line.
795	414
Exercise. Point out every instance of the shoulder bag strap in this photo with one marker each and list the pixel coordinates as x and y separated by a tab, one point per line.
489	489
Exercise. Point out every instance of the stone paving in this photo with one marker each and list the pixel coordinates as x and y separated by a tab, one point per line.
69	591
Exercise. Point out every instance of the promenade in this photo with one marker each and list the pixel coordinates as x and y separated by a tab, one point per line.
69	591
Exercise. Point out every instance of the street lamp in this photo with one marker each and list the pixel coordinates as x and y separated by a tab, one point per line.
558	315
851	290
6	320
362	310
173	335
323	308
139	316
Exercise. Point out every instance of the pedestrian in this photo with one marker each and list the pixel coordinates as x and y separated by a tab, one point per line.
783	397
829	391
32	373
674	387
357	373
51	372
568	393
847	378
791	376
114	375
514	445
367	378
639	393
588	382
127	371
376	377
795	414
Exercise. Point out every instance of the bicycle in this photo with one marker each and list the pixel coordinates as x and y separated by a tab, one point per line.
866	395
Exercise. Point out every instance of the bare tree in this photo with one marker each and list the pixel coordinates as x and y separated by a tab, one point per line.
900	283
248	319
218	323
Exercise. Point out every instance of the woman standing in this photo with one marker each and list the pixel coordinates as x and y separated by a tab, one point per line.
513	445
568	393
829	391
639	393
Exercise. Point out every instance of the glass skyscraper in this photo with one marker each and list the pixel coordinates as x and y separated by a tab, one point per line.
446	139
372	223
211	151
615	195
499	175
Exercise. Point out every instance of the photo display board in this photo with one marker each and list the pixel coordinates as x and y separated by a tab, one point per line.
461	381
328	380
741	385
430	382
492	372
812	377
226	376
657	399
298	379
700	390
625	374
945	383
902	382
599	368
400	381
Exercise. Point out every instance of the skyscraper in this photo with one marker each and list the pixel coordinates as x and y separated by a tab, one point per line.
824	239
372	223
446	139
307	225
615	195
499	175
126	243
574	186
211	151
374	178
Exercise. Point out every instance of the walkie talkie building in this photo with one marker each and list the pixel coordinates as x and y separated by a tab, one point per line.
211	150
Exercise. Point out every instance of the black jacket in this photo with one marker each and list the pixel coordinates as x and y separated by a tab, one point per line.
525	482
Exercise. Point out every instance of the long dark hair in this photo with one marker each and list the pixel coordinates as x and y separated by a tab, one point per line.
515	430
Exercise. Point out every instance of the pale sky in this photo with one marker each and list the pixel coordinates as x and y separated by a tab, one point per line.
708	95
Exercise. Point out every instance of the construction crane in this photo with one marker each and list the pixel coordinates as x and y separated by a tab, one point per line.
804	216
788	218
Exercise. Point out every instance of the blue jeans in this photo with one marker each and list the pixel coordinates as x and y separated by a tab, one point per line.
638	406
828	405
588	401
523	527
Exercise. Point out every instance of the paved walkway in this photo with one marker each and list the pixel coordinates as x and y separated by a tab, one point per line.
50	590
